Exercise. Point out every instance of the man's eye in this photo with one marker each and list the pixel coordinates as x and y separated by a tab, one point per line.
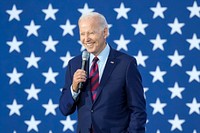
91	33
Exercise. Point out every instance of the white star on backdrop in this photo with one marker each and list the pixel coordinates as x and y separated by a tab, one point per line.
50	12
194	106
141	58
194	74
122	11
32	60
109	26
176	123
14	45
194	131
50	44
32	92
158	42
14	76
158	10
68	124
32	124
176	91
158	74
32	28
176	26
50	76
176	59
194	10
50	107
145	90
194	42
82	47
158	131
14	108
139	27
122	43
68	28
66	59
158	107
14	13
85	9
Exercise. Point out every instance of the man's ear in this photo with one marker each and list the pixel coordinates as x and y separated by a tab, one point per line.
105	32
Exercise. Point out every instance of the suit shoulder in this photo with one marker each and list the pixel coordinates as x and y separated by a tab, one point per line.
75	59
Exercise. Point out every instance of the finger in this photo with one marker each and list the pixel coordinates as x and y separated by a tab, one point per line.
80	71
81	77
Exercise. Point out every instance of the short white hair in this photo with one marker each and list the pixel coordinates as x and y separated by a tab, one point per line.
102	19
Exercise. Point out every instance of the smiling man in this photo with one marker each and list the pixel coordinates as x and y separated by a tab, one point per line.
112	97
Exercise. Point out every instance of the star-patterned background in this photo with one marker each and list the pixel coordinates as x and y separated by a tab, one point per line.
38	38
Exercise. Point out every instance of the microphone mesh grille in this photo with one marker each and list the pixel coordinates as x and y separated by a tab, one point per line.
85	55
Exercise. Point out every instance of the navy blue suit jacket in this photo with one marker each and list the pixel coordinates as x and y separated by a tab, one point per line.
120	106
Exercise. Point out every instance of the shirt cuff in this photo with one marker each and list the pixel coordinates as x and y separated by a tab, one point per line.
74	94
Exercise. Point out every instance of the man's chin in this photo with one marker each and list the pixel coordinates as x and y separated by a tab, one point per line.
90	50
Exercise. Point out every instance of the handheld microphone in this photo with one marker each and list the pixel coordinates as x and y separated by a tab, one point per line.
85	56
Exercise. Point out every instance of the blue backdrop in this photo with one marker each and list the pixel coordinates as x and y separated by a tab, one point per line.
37	39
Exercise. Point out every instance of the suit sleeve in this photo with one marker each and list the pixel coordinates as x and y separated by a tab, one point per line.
135	98
67	104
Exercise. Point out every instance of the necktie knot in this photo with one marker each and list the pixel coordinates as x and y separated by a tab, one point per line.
95	59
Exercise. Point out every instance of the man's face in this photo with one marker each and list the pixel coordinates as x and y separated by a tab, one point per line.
92	36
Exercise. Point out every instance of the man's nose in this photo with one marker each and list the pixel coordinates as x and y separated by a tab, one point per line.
87	37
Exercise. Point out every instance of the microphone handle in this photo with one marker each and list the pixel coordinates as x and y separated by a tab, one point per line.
83	67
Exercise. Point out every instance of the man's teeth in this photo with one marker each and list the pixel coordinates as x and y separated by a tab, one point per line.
89	44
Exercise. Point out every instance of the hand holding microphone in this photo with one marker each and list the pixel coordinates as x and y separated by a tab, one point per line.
80	74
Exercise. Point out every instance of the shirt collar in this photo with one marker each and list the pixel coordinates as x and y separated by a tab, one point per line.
103	55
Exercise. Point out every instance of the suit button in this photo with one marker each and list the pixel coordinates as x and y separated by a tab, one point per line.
92	110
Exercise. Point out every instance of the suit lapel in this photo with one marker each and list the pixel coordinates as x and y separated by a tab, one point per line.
110	65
